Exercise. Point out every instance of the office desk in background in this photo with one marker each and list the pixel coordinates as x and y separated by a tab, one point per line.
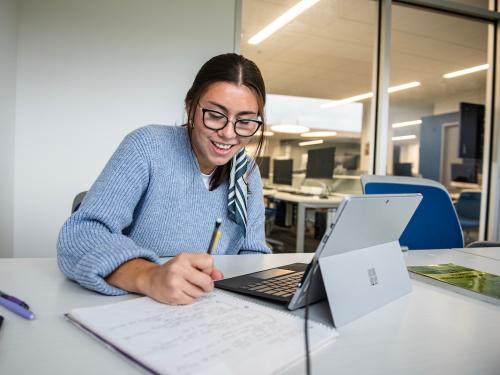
430	331
303	202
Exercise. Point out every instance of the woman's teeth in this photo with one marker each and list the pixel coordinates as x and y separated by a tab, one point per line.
222	146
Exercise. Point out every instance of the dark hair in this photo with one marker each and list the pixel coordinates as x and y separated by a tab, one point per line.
232	68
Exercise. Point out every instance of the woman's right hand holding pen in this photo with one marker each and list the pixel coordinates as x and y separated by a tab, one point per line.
179	281
183	279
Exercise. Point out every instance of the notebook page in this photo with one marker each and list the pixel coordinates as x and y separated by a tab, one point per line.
218	334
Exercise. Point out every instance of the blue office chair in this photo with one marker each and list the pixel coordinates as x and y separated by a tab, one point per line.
435	224
468	207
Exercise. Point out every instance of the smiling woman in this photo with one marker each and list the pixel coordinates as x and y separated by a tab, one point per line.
163	189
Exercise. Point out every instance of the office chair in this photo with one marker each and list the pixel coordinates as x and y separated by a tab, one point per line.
468	207
476	244
275	245
435	224
77	201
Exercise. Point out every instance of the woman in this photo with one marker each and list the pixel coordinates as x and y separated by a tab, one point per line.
162	190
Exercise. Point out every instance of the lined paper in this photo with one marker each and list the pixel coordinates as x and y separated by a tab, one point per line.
218	334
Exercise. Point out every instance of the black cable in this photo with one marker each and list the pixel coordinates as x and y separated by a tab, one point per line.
306	318
306	335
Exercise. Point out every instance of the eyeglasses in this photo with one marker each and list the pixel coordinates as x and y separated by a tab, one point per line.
215	120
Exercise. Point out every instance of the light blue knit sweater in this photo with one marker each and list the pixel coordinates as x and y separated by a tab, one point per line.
150	201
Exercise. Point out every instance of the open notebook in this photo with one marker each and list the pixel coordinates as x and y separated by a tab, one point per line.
218	334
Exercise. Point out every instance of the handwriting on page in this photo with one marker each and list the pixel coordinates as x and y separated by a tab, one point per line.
217	334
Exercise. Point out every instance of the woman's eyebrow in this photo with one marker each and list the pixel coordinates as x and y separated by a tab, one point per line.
223	108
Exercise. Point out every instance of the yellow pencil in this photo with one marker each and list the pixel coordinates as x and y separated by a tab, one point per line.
214	240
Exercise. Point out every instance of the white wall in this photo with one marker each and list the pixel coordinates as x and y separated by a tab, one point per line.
8	57
88	73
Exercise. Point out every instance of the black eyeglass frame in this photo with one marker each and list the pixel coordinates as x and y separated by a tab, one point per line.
205	110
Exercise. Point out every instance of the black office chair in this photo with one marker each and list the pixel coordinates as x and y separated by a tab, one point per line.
483	244
77	201
275	245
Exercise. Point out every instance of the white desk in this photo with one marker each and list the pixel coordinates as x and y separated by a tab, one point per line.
430	331
487	252
303	202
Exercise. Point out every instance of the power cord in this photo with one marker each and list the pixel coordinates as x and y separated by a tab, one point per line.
306	335
306	318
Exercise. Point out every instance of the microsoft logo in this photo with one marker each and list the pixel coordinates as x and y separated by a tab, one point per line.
372	276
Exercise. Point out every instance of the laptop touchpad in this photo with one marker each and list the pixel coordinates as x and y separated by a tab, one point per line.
271	273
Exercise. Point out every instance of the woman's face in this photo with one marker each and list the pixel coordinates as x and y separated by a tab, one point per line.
216	147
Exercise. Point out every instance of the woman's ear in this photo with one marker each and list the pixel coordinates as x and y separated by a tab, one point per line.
187	107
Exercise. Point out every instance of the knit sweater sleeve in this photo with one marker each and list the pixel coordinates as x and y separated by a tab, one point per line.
255	240
91	243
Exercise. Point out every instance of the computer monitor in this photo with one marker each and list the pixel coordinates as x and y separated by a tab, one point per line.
402	169
263	162
282	173
464	173
320	163
351	162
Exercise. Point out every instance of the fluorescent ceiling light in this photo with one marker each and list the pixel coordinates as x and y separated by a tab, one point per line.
352	99
406	123
319	134
309	143
281	21
291	129
404	137
268	134
368	95
466	71
404	86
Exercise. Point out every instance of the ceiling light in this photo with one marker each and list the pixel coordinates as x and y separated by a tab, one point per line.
368	95
352	99
466	71
404	86
319	134
291	129
309	143
268	134
404	137
281	21
406	123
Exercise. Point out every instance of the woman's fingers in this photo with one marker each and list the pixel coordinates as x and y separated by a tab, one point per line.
200	279
201	261
216	274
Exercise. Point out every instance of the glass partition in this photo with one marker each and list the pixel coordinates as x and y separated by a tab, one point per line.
318	73
436	125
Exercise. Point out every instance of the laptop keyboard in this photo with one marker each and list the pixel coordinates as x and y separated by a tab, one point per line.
281	286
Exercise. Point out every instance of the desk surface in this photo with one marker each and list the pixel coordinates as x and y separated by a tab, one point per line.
487	252
298	198
431	330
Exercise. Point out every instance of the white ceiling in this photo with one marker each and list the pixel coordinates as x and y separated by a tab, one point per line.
327	52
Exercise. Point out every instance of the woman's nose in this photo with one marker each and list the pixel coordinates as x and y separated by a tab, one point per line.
228	131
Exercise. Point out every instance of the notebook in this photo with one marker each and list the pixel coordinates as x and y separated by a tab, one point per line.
218	334
467	281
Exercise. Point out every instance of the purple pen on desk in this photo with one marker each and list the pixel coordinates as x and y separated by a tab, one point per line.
16	308
14	299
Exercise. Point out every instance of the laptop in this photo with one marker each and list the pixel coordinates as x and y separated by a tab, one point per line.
366	227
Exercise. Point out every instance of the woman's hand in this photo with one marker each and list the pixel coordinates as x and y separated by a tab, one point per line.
180	281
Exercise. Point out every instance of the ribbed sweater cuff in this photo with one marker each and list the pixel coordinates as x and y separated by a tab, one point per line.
94	267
